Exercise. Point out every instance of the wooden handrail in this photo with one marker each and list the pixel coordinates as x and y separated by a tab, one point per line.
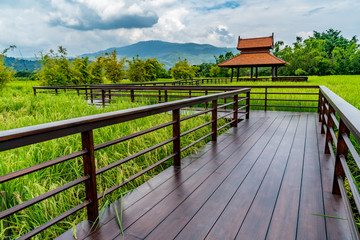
14	138
330	105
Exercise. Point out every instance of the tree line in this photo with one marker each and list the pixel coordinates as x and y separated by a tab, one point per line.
324	53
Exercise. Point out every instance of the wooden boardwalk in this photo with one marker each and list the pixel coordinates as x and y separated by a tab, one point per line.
267	179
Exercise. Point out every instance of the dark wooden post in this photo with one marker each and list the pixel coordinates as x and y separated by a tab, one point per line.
247	105
252	72
91	96
189	93
103	97
78	92
341	150
330	125
34	89
176	135
236	106
56	91
86	94
266	96
166	96
232	74
256	72
109	96
237	74
206	103
159	96
132	97
214	121
89	170
323	111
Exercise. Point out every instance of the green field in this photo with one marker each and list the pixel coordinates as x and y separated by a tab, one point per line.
20	108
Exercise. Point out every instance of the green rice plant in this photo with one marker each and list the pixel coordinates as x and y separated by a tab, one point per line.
20	108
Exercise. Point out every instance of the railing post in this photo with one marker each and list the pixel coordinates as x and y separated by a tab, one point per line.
91	96
266	97
176	135
56	91
341	149
132	97
214	121
34	91
166	96
86	93
89	170
247	105
320	106
78	92
236	106
323	123
109	96
330	125
103	97
159	96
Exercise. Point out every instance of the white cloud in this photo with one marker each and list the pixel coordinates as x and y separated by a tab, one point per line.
92	25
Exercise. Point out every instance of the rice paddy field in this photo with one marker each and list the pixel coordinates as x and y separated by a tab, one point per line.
20	108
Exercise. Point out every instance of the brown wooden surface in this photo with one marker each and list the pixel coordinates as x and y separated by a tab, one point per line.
266	179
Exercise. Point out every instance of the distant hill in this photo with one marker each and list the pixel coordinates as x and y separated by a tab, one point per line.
22	64
165	52
168	53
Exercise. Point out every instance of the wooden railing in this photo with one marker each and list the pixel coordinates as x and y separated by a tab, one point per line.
341	124
266	97
15	138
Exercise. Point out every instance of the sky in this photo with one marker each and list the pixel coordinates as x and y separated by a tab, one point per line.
87	26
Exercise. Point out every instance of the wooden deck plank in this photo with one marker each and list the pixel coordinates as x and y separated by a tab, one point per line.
134	212
260	212
311	226
230	220
287	205
230	174
262	180
156	215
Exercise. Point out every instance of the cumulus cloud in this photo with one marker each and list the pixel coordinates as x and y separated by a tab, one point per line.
105	15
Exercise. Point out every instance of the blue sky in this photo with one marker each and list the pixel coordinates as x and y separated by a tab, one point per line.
84	26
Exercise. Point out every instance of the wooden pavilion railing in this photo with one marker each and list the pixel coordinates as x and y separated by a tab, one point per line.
341	124
15	138
266	97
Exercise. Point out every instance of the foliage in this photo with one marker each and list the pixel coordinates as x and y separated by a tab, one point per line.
325	53
145	70
182	70
6	73
114	69
57	69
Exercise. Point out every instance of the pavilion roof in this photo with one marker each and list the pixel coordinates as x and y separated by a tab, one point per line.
253	59
255	43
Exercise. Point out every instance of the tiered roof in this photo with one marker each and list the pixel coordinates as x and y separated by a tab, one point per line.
255	52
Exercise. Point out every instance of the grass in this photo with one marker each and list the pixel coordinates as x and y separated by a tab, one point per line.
20	108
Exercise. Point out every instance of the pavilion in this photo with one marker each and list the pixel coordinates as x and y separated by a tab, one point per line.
255	52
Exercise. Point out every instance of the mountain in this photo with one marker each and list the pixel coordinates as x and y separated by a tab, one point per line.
168	53
22	64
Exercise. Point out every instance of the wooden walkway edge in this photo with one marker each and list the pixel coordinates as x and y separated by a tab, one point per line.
266	179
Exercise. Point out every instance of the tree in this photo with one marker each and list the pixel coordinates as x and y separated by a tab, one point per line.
114	69
96	71
81	71
182	70
145	70
6	73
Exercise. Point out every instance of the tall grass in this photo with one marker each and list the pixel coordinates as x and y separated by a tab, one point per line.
20	108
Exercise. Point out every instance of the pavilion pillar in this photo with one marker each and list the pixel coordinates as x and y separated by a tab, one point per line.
256	72
272	71
237	74
232	73
252	72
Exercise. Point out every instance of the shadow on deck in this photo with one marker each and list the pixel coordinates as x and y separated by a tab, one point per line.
266	179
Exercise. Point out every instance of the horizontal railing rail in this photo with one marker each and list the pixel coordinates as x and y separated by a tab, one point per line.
15	138
266	97
340	122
